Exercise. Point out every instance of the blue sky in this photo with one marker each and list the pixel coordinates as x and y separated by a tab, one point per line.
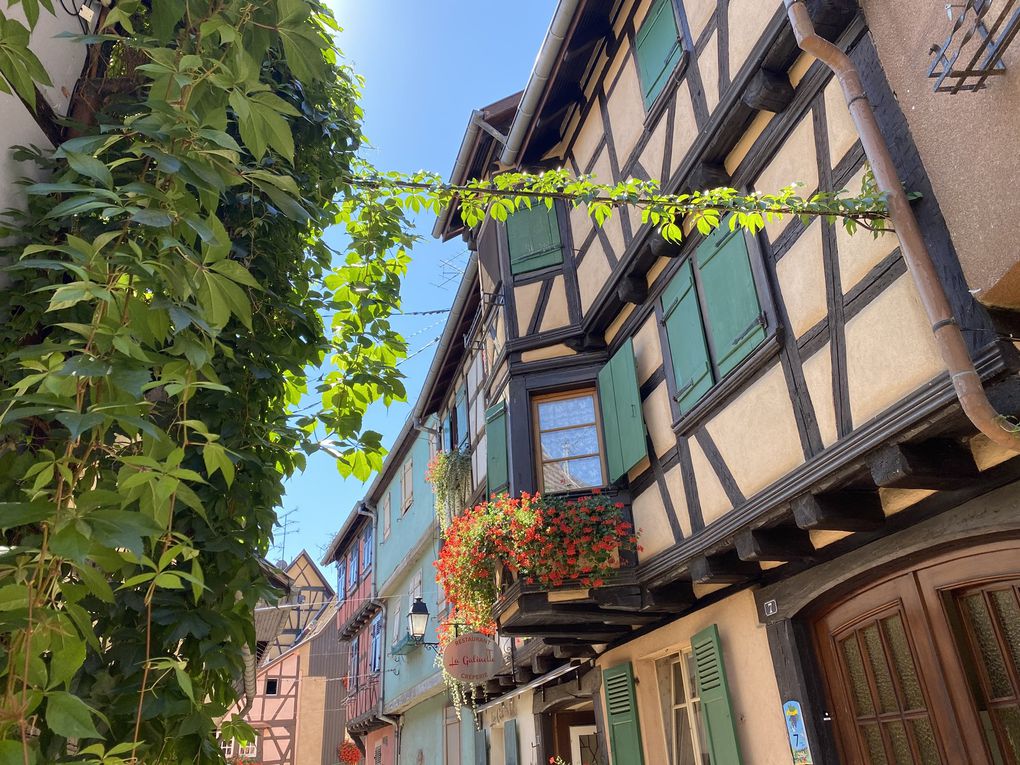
426	65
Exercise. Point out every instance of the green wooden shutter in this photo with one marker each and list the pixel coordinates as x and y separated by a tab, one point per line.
622	418
496	471
714	691
511	747
622	715
658	49
692	371
731	300
481	747
534	239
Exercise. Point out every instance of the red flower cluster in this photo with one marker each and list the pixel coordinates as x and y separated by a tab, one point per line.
548	541
348	753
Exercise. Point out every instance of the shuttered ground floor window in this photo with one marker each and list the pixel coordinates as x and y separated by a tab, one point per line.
696	699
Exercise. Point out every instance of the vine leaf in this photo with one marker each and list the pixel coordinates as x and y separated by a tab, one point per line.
68	715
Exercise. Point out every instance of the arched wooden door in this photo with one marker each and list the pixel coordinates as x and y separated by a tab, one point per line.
923	666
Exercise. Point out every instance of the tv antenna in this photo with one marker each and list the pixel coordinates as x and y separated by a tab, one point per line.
285	525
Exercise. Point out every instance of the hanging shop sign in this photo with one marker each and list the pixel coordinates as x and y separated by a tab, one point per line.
472	658
798	733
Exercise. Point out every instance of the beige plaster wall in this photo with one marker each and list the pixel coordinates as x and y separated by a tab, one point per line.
757	435
592	273
969	142
711	494
525	299
818	376
801	273
653	530
757	707
795	162
556	313
311	715
890	351
747	21
626	111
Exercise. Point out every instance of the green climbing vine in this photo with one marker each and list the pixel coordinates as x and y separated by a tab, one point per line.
166	288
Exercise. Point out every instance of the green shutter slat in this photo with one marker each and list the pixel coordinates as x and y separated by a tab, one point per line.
511	747
713	689
496	469
685	331
731	299
630	421
622	715
610	421
533	235
658	49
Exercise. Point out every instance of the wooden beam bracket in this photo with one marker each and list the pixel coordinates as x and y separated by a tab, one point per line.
774	545
839	511
725	568
936	464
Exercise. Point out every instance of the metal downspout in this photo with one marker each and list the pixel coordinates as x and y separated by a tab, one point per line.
540	73
948	337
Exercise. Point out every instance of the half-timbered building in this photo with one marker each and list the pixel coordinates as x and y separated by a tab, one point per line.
828	567
360	627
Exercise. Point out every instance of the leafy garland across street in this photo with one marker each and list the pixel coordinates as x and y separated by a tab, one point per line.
163	299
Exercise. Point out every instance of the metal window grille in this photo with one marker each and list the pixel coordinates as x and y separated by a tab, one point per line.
973	50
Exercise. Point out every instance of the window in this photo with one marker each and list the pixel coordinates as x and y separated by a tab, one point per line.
387	513
570	447
341	580
250	750
657	50
398	616
407	485
461	421
375	657
352	571
533	238
367	550
711	314
681	709
227	746
272	686
448	431
355	666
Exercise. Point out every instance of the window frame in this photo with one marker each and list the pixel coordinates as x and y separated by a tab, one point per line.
341	579
562	395
354	667
276	686
375	644
387	514
249	750
722	387
695	718
353	569
367	550
407	484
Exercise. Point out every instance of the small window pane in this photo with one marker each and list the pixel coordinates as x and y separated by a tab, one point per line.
684	743
572	442
903	660
858	676
984	635
873	739
880	669
901	746
679	692
566	412
572	474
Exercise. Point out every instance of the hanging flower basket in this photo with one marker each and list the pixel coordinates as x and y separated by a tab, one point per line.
348	753
449	473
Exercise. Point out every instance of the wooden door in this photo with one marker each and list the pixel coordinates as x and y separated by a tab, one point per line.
924	666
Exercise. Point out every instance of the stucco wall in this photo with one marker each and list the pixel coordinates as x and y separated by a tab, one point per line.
423	732
407	527
757	707
969	142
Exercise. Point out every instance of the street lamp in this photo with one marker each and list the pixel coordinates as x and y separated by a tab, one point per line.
418	622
